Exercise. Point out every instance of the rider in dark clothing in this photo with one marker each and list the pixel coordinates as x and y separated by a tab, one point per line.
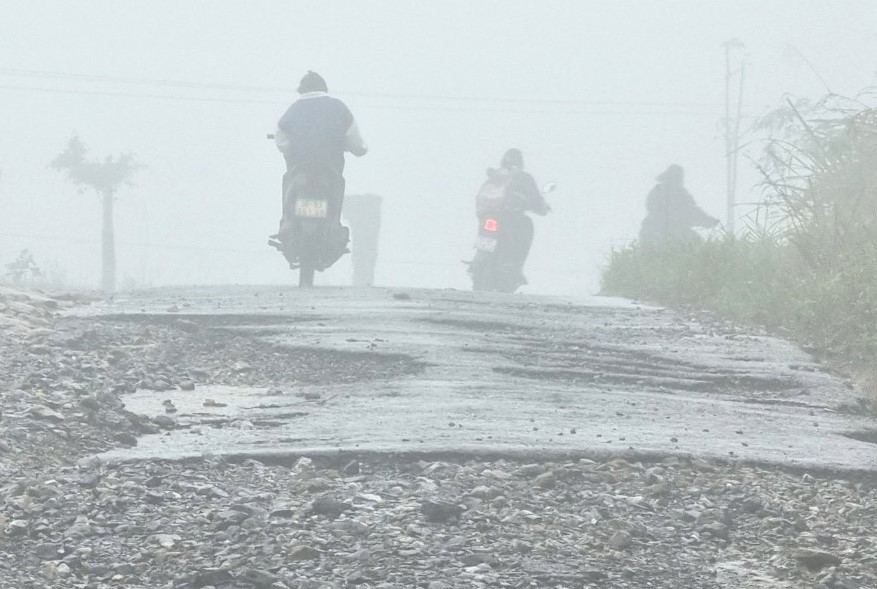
318	128
315	131
520	190
519	194
672	212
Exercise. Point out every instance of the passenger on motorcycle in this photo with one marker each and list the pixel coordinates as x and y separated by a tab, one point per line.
316	130
510	192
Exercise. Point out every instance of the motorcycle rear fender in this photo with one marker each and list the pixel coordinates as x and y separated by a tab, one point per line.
311	227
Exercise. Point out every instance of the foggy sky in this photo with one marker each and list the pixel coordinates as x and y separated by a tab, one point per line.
600	96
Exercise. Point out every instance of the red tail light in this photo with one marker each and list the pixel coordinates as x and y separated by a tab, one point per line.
490	225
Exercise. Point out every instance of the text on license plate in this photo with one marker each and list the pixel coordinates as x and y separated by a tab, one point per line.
485	244
312	209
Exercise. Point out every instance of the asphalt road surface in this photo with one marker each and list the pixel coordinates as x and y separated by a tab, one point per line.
493	376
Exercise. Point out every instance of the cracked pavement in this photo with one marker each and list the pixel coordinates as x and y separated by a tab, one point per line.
498	375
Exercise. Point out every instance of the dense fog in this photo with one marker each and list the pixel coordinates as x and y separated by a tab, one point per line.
600	96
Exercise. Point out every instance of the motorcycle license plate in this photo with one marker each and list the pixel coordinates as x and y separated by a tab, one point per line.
311	209
485	244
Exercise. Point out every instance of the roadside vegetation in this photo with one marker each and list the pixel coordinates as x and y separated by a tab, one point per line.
806	264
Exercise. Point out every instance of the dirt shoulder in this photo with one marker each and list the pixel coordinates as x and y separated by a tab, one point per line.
437	524
41	394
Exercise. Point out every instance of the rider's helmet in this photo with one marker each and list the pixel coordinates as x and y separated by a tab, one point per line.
674	174
513	158
312	82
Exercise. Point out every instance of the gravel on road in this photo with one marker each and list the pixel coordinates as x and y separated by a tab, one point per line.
373	520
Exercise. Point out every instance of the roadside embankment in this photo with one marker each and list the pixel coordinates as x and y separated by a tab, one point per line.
760	283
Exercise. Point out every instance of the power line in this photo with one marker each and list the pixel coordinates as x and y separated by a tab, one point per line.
139	81
139	95
275	89
460	108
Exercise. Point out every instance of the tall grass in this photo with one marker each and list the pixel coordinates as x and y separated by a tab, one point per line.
760	283
807	265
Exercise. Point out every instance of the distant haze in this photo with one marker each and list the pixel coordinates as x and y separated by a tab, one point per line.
600	96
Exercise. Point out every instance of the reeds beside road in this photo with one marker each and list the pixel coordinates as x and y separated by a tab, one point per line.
806	264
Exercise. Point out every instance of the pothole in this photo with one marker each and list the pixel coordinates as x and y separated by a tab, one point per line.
479	325
219	405
243	350
868	436
211	320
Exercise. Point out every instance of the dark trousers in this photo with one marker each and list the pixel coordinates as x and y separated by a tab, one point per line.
519	229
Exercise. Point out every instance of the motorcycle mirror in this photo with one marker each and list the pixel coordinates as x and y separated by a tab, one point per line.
549	187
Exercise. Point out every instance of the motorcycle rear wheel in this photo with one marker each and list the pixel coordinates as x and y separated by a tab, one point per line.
309	248
306	274
489	276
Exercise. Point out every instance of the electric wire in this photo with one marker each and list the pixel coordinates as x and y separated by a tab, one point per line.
400	108
539	106
287	90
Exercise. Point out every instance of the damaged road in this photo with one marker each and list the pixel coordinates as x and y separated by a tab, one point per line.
446	372
271	438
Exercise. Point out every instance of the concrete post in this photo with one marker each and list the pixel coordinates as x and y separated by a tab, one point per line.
363	212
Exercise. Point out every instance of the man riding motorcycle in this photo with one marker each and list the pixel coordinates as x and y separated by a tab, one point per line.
508	193
313	135
672	213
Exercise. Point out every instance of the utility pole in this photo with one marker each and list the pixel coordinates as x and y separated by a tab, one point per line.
108	241
732	127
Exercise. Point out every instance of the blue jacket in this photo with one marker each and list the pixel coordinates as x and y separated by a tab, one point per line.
318	128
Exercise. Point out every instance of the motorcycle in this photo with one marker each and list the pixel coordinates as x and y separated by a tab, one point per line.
501	248
311	236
